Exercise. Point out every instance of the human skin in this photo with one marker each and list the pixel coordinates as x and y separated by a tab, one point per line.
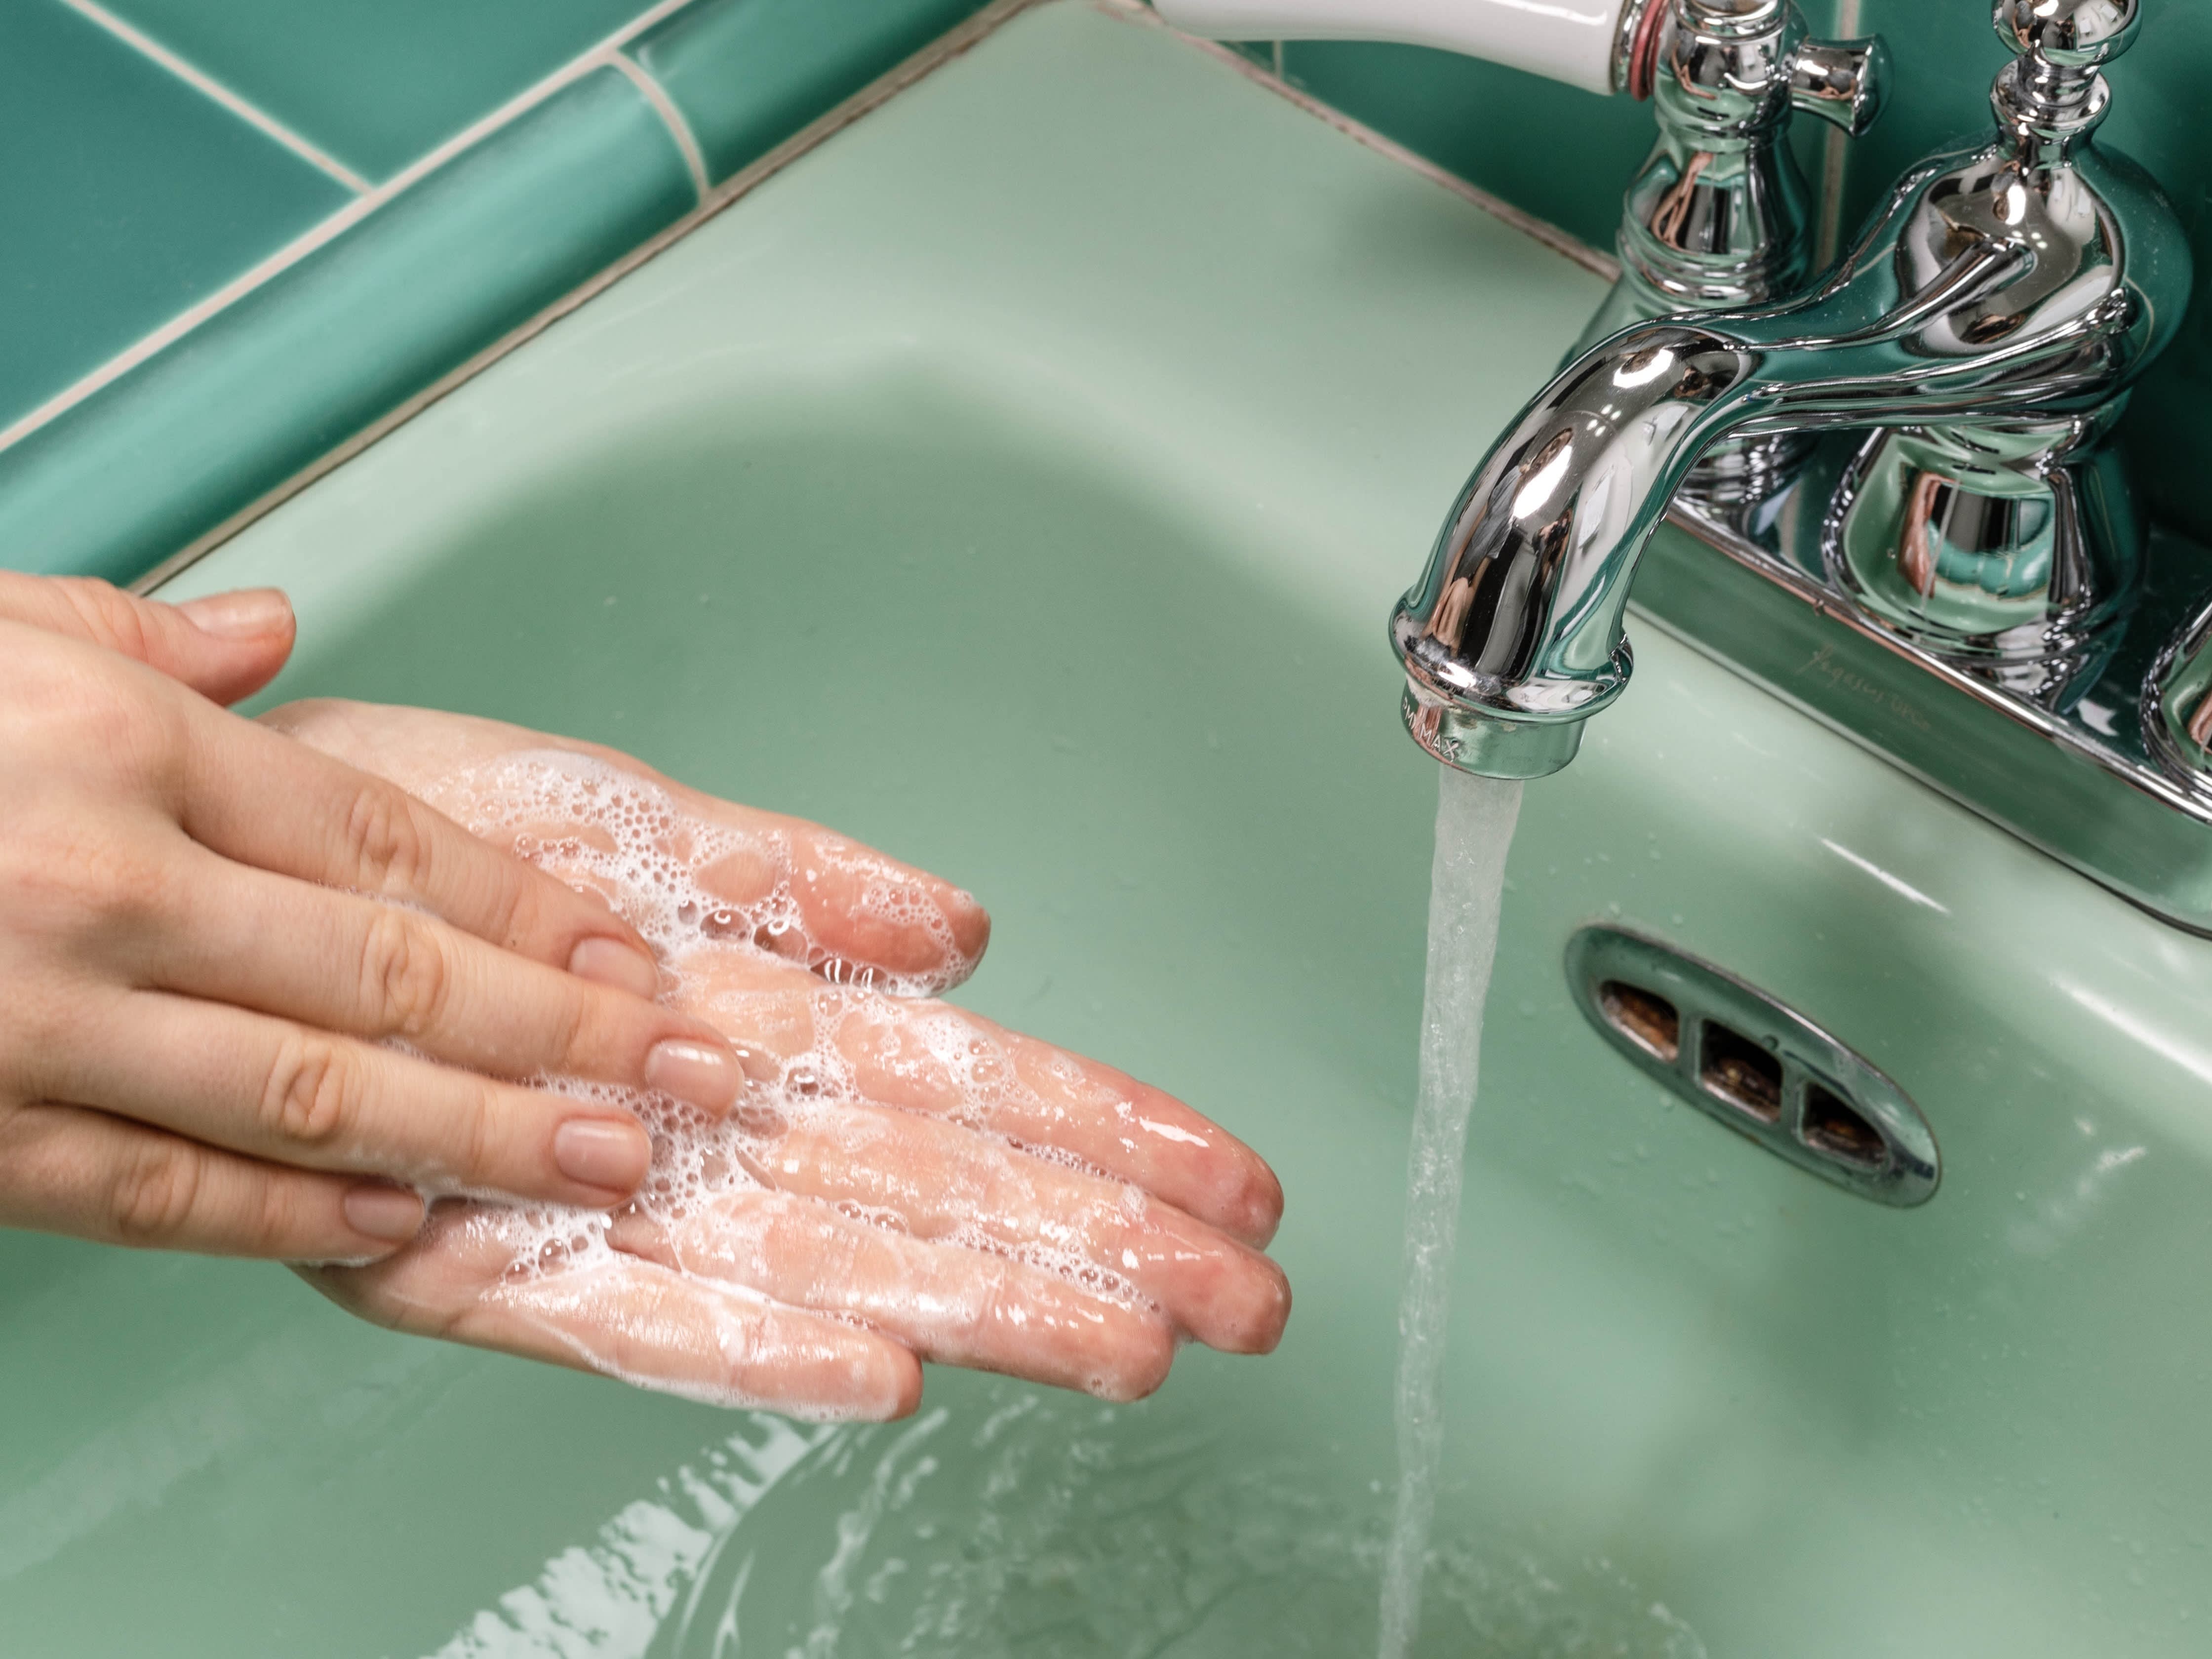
771	1290
213	937
173	888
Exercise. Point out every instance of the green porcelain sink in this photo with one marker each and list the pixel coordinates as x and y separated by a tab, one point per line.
1020	480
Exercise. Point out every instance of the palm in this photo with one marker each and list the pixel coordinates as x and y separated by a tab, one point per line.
901	1180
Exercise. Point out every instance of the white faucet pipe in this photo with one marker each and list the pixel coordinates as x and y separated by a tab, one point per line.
1577	41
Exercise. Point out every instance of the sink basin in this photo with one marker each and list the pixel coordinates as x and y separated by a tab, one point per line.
1020	482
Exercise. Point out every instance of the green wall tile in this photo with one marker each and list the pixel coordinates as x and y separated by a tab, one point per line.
1563	153
125	199
242	403
378	82
747	74
2162	116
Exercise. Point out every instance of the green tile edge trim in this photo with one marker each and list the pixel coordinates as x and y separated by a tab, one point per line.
294	367
747	74
169	458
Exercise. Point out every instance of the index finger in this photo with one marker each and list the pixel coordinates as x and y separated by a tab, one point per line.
262	798
860	915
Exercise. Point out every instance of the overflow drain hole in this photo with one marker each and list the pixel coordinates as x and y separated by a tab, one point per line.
1650	1021
1832	1127
1748	1061
1741	1072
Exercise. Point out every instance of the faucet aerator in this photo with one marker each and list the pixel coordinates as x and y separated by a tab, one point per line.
1486	745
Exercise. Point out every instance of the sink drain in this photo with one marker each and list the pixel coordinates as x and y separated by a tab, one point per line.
1769	1073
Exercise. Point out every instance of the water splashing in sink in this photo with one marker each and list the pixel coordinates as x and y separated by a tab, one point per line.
1474	830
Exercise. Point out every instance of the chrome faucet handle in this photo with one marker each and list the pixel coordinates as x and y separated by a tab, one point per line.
1758	51
2056	88
1720	216
1844	82
2012	548
2081	35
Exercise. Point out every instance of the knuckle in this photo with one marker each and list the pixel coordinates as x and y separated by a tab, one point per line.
384	839
275	1221
575	1038
478	1132
107	614
153	1192
91	718
406	975
997	1306
141	737
45	1025
520	905
129	887
309	1096
32	1168
85	885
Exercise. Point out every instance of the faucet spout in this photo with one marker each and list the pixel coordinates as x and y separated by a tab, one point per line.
2033	276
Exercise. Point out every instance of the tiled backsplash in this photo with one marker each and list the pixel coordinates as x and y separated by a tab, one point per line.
126	195
1566	155
241	235
376	85
238	234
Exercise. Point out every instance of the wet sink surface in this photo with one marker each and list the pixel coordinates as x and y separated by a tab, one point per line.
1019	482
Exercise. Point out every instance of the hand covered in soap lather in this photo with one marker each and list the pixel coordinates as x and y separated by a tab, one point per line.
900	1180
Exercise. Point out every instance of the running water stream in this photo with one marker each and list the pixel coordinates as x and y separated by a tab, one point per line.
1474	830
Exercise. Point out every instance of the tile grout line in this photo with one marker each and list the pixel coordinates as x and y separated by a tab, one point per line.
185	322
206	84
670	117
939	52
597	56
373	197
1540	230
952	44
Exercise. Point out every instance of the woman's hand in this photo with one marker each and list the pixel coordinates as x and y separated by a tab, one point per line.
253	999
901	1180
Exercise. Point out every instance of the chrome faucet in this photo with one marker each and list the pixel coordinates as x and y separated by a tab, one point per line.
1988	323
1719	215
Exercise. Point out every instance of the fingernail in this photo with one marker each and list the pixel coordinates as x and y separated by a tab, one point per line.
697	1073
611	961
251	613
599	1152
757	1064
391	1213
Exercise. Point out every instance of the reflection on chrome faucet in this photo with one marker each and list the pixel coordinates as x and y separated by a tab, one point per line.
1989	321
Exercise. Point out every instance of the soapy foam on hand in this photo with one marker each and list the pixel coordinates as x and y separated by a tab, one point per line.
629	839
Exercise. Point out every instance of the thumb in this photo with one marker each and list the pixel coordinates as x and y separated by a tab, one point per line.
225	646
